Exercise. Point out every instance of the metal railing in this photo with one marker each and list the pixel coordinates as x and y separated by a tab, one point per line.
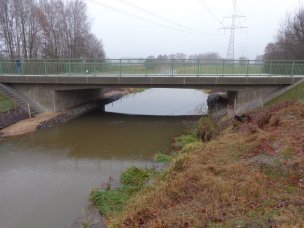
150	67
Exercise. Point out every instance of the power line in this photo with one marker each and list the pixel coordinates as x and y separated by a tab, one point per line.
138	17
203	4
156	15
147	20
190	8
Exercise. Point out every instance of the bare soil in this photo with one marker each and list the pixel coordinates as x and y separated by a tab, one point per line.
27	125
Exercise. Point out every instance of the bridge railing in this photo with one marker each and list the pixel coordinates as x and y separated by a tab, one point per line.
150	67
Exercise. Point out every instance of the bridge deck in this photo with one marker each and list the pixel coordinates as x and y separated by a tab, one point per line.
137	80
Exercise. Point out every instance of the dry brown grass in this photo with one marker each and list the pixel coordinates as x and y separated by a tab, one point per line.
251	175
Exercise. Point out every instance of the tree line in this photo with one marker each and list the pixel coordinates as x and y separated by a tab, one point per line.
209	57
47	29
289	41
205	56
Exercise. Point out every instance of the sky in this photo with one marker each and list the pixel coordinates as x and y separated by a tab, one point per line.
140	28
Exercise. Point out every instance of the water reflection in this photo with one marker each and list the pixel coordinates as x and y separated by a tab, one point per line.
171	102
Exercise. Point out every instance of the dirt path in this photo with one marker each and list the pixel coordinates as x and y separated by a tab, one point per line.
27	125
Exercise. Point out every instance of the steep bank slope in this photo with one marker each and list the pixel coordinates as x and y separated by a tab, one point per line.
5	103
294	94
252	174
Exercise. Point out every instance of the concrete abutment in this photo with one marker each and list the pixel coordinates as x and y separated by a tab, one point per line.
241	100
59	98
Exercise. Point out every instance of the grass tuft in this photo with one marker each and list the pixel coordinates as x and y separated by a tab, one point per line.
163	158
184	140
108	201
135	176
193	147
206	129
132	181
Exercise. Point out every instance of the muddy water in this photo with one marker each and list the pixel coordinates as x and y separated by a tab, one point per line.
46	176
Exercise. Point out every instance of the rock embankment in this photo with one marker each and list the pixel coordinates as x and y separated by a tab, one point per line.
70	114
78	111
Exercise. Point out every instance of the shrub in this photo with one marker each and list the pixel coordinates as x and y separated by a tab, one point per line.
206	129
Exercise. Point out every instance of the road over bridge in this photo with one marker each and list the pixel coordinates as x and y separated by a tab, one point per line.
56	85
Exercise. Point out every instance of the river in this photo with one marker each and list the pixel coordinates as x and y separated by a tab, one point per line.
46	176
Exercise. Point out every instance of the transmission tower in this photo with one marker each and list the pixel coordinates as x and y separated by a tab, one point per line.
235	25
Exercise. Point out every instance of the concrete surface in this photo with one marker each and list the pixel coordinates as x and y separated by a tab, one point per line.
60	92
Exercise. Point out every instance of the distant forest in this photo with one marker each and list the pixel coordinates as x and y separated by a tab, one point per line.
47	29
289	41
210	56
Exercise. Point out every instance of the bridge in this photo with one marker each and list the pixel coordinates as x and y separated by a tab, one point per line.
56	85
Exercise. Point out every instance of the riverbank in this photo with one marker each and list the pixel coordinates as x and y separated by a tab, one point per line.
51	119
28	125
250	174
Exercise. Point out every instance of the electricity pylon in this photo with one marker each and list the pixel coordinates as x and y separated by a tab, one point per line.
235	25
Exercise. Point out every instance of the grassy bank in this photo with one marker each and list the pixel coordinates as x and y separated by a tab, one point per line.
111	199
247	174
5	103
296	94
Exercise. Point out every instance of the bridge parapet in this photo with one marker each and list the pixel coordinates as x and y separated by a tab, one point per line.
150	67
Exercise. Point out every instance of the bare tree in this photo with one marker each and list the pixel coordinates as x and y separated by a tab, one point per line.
289	42
7	27
47	28
93	47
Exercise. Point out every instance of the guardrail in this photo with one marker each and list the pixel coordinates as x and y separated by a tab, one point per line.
150	67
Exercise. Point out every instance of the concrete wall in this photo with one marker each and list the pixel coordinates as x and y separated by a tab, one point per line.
53	98
245	100
65	99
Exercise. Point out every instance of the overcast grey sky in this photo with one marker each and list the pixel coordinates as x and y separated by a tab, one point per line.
187	26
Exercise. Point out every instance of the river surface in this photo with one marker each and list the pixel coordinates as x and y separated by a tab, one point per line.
46	176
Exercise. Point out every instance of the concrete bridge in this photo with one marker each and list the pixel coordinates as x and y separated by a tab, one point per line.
61	84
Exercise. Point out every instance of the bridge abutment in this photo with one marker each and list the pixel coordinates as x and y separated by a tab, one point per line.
243	100
59	98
